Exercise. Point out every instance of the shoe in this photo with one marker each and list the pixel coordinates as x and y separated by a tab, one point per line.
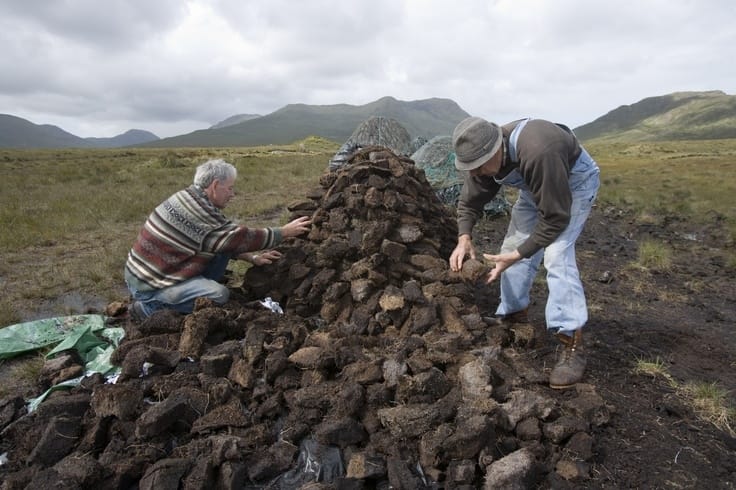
571	364
508	320
136	312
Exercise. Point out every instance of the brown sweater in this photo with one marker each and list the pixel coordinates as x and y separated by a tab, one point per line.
545	154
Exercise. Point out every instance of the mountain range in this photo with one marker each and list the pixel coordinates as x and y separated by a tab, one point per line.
677	116
16	132
421	118
237	118
680	115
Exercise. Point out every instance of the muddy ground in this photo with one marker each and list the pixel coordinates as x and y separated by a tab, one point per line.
383	374
683	317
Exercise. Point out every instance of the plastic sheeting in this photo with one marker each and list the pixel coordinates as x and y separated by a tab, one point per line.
86	334
272	305
316	463
374	131
437	158
30	336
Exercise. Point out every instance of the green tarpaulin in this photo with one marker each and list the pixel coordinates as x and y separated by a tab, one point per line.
37	334
87	334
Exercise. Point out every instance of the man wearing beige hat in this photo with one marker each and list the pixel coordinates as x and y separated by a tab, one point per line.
558	182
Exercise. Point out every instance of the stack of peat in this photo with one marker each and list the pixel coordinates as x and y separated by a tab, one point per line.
381	373
379	237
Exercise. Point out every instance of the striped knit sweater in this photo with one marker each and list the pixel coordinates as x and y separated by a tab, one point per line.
183	234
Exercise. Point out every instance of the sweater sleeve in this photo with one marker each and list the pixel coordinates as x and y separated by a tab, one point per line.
235	239
475	194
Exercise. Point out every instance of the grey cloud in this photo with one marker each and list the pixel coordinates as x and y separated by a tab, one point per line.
151	64
104	25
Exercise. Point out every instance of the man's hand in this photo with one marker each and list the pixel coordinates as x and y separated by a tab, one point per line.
463	248
296	227
503	262
265	257
261	258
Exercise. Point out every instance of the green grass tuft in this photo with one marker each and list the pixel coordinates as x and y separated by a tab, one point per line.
707	400
654	255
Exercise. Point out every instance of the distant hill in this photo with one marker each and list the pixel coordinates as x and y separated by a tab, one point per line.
236	119
677	116
16	132
421	118
128	138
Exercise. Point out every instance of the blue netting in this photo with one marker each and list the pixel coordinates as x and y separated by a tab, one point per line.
437	159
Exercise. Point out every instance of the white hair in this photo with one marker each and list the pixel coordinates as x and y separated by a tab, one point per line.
212	170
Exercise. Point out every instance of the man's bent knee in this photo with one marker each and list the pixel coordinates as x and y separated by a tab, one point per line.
219	294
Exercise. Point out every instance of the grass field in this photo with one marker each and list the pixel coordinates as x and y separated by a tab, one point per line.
68	217
688	178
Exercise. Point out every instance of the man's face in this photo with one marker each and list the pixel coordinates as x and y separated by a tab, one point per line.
491	167
220	192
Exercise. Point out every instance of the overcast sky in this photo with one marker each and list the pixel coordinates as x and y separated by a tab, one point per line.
101	67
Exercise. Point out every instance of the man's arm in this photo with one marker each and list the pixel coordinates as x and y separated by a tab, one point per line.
475	194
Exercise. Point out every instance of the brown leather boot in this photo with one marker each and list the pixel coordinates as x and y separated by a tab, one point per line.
571	363
508	320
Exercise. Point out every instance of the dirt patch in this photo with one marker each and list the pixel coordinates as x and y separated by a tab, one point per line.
382	372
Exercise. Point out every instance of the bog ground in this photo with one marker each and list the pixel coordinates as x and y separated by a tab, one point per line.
384	367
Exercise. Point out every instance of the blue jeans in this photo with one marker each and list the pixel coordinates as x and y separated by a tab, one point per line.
566	309
180	297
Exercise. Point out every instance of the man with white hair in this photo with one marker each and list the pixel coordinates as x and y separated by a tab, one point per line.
558	182
184	246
